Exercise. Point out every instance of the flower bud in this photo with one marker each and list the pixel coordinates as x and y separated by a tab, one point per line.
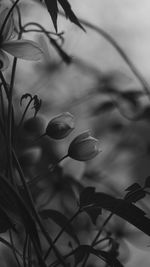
83	147
60	126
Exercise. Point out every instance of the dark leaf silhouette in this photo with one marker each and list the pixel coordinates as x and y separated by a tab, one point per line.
147	182
61	220
69	13
133	187
135	196
135	193
125	210
53	10
52	7
84	250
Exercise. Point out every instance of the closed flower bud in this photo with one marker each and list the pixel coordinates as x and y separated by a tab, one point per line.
60	126
83	147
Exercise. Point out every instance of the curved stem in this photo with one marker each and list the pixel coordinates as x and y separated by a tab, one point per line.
7	17
35	213
13	248
122	53
61	232
50	169
24	113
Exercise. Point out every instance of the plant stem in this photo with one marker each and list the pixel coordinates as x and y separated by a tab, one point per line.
7	17
25	111
122	53
35	213
13	248
61	232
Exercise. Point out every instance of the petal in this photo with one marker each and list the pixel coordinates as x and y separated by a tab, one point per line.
9	26
5	60
24	49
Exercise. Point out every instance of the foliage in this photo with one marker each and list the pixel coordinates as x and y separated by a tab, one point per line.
42	232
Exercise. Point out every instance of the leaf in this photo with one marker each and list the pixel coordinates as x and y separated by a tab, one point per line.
135	196
24	49
124	209
135	193
147	182
16	209
53	11
52	8
93	213
61	220
133	187
84	250
107	257
86	196
69	13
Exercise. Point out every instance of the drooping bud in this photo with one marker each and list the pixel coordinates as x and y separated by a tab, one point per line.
60	126
83	147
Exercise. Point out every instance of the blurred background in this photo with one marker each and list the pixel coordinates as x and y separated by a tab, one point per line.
104	95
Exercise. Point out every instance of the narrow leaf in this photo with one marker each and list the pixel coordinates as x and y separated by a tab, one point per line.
134	196
61	220
69	13
125	210
53	11
133	187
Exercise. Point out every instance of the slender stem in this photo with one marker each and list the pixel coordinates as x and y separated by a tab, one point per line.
45	174
60	51
25	249
35	213
61	232
9	129
13	248
122	53
6	243
25	111
7	17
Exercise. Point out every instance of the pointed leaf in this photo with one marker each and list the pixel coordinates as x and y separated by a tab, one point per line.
69	13
134	196
24	49
61	220
53	11
133	187
124	209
